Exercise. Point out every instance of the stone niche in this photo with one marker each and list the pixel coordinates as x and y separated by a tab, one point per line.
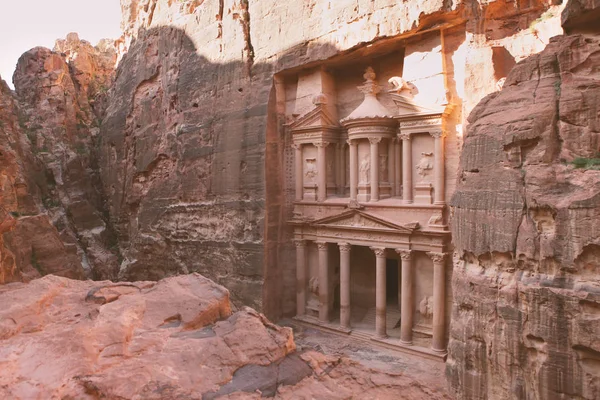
367	194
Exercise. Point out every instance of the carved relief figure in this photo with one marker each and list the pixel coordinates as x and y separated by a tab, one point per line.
426	307
383	168
425	165
402	86
311	170
364	168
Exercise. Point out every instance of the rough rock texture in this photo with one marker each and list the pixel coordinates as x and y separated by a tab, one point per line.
176	338
526	287
192	143
62	98
29	243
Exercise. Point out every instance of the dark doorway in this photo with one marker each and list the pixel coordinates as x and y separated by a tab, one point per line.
391	281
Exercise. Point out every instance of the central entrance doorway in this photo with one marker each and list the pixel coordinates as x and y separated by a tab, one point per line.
392	276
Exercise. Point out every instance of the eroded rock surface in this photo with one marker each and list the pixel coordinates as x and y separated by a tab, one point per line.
61	98
176	338
526	312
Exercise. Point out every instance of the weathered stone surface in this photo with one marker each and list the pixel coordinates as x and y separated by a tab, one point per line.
62	98
525	320
29	243
176	338
581	15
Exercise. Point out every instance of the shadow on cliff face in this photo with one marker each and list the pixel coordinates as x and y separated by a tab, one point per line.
183	151
192	164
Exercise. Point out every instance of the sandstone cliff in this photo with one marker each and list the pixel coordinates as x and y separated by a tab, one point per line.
525	321
59	101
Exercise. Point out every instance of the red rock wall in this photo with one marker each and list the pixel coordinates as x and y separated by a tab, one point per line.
525	226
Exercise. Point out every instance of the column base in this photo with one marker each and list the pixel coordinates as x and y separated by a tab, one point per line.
404	342
440	351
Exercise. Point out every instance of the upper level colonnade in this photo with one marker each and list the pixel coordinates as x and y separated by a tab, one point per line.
368	156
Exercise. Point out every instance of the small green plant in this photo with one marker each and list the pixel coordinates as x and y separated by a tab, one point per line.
15	214
587	163
544	17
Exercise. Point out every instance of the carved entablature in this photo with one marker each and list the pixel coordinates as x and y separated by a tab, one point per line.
417	118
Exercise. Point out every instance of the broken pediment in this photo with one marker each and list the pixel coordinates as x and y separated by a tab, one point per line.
408	107
317	119
355	219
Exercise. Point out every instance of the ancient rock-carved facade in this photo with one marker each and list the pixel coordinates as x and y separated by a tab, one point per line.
370	203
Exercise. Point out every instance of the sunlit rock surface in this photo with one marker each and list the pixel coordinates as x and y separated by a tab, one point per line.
526	284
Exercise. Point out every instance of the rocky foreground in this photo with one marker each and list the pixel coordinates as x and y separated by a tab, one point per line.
176	338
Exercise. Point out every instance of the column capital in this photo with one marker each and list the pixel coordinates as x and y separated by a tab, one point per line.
300	243
345	247
404	136
352	142
379	251
321	143
374	140
437	133
321	245
404	254
297	146
437	257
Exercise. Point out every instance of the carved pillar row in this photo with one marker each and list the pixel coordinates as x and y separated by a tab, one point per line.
345	285
392	166
353	145
398	165
439	175
407	184
323	281
341	168
407	307
380	294
321	170
439	301
374	168
300	277
299	171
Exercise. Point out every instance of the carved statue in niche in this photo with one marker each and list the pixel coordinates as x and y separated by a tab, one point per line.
403	87
330	168
364	168
426	307
311	170
425	165
383	167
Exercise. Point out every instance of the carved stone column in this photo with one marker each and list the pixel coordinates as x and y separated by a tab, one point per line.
300	277
374	168
392	166
439	302
438	169
341	168
353	145
299	171
380	295
323	282
345	285
407	308
407	185
321	170
398	165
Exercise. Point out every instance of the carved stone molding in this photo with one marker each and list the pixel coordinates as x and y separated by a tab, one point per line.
421	122
322	245
352	142
345	247
437	133
300	243
321	144
405	255
296	146
374	140
404	136
379	251
438	258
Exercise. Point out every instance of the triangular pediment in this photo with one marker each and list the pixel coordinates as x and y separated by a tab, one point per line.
317	118
355	219
407	106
